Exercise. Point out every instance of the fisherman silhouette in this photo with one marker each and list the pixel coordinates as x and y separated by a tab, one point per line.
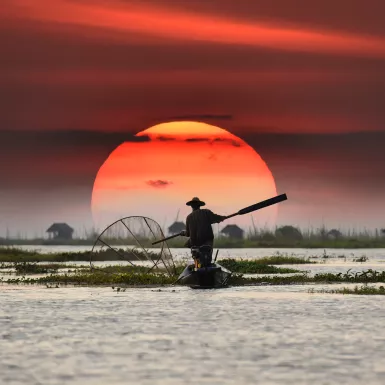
203	273
198	224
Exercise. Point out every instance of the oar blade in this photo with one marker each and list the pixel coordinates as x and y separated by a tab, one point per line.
261	205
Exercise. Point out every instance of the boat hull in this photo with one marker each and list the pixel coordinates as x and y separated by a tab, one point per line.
212	277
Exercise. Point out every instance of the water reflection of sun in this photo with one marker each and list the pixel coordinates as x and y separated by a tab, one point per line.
155	178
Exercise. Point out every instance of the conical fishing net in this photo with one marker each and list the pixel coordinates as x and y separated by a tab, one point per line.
129	240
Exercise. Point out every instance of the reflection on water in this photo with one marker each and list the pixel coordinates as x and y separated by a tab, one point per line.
267	335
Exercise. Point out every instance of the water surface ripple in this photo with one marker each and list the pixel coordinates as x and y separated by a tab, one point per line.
264	335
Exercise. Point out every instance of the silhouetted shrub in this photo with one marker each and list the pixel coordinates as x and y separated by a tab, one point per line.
289	232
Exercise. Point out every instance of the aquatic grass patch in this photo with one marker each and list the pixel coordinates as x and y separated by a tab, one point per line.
117	269
363	276
95	278
16	252
254	267
117	275
279	259
9	254
368	276
361	259
358	290
5	265
23	268
239	280
100	278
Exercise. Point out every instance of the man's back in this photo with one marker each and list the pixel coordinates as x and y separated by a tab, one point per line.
198	226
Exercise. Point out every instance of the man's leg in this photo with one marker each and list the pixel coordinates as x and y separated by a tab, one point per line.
210	256
212	250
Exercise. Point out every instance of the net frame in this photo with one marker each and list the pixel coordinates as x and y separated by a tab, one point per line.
165	256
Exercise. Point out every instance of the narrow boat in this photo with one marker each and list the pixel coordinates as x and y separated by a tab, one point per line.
204	274
214	276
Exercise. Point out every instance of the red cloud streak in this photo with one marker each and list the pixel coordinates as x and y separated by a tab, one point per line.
125	20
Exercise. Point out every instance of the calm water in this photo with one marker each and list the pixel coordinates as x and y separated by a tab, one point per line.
231	336
255	335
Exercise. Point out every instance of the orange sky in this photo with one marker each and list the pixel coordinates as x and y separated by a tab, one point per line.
302	82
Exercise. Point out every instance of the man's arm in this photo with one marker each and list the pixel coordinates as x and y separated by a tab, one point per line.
215	218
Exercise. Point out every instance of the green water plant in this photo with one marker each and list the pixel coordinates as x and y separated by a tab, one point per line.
10	254
358	290
254	267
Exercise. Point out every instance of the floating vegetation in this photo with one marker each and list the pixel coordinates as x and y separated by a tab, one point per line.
258	266
23	268
361	259
359	290
136	278
96	278
368	276
25	263
280	259
9	254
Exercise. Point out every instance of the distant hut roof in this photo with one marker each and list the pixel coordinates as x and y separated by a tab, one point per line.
230	229
59	227
176	227
335	233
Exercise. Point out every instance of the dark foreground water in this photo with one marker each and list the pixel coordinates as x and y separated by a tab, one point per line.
256	335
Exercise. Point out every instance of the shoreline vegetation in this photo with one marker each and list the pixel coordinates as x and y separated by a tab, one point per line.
280	237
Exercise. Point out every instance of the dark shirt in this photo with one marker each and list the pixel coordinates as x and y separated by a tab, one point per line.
198	226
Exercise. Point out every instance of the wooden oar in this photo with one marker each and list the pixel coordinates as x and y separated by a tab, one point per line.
167	238
260	205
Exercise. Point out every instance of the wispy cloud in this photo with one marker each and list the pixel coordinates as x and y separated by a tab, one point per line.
232	142
125	19
192	140
201	116
165	138
158	183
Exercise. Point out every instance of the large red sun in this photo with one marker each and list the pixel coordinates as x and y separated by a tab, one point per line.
181	160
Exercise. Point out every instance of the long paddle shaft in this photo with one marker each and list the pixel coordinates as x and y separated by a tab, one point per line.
246	210
260	205
166	239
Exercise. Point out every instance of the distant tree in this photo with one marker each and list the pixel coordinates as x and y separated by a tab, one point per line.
289	232
334	233
268	237
323	232
383	231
